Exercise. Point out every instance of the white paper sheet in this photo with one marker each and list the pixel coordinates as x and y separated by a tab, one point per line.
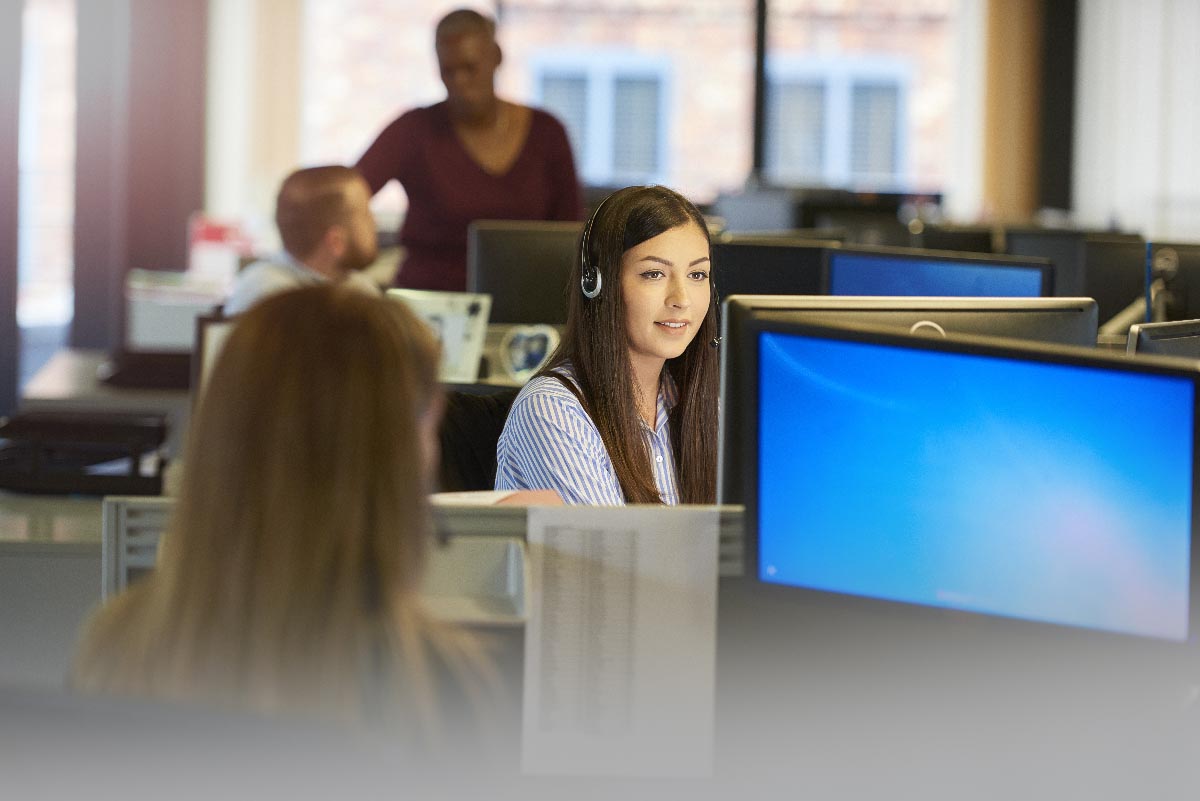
620	643
470	498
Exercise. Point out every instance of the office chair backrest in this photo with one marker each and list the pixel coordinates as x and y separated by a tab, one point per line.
470	429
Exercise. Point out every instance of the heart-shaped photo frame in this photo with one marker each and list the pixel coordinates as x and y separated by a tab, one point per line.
525	348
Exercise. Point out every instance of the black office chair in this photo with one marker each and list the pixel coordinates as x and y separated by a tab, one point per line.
470	429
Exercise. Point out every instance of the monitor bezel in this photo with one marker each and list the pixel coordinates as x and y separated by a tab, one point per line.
1140	333
735	309
1188	650
997	260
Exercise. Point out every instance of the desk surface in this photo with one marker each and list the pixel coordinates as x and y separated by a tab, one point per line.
68	382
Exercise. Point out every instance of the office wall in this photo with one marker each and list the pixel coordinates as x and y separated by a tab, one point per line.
253	120
1136	162
139	170
10	102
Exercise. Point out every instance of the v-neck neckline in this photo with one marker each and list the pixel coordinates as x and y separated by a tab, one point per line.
466	154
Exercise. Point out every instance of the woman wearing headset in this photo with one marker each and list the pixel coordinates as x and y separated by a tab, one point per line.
626	409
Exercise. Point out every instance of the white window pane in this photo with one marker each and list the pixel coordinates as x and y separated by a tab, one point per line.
565	96
795	134
635	127
874	124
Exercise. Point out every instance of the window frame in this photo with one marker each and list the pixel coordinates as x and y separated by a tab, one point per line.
601	68
839	75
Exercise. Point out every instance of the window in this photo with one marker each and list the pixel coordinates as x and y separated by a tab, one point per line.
45	261
613	106
837	122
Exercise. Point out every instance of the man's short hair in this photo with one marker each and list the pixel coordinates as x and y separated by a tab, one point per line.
309	202
464	21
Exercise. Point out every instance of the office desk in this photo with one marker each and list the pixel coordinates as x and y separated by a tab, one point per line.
49	582
68	382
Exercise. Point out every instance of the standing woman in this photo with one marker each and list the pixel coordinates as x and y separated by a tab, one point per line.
287	580
626	409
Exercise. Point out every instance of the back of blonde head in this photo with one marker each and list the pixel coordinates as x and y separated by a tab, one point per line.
287	580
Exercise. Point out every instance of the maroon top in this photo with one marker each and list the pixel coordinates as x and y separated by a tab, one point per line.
447	189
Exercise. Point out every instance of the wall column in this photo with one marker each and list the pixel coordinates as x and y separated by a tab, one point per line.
1012	109
10	112
139	170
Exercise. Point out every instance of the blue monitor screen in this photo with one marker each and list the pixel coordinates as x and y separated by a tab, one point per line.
877	274
994	485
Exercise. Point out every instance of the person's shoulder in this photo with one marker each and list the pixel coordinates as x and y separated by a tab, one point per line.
544	121
548	395
546	386
258	280
414	119
263	268
424	116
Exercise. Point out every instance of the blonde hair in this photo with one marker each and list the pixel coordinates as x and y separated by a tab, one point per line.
287	579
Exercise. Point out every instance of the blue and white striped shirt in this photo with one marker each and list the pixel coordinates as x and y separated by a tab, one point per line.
550	442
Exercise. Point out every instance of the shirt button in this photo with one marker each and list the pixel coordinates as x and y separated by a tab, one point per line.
658	458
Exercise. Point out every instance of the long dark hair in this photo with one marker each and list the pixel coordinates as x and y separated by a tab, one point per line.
596	344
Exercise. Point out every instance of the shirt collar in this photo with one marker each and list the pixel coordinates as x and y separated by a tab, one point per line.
300	267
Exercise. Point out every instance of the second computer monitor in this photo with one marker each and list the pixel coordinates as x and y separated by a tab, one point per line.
925	273
768	266
1179	265
1109	267
975	476
1180	338
1067	321
524	265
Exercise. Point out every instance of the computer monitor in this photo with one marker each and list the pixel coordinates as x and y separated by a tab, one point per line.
928	273
1109	267
524	265
768	266
211	332
961	238
459	320
869	218
1179	263
1068	321
1180	338
973	475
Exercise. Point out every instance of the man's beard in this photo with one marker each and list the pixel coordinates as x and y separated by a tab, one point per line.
358	257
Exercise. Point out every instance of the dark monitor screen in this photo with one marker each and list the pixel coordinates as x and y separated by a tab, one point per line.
768	266
1067	321
524	265
1182	261
1115	271
974	476
961	238
929	273
1180	338
1109	267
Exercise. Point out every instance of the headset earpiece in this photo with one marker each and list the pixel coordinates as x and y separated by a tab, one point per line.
590	280
590	275
594	291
